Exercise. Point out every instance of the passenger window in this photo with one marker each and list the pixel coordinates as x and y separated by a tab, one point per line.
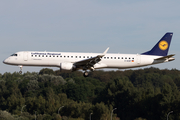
114	57
122	57
118	57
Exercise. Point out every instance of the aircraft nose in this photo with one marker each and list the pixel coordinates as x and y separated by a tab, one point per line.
5	61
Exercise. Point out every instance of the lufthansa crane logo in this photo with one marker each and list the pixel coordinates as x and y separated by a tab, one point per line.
163	45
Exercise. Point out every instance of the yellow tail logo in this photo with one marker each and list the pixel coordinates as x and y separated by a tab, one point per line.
163	45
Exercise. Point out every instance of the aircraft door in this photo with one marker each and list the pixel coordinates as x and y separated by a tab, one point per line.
138	59
25	56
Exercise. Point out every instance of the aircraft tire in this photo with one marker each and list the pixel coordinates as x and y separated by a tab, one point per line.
86	74
20	72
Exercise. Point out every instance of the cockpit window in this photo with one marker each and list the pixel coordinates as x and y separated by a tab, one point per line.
14	55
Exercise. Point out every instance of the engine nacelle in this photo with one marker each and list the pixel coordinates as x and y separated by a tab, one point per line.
67	66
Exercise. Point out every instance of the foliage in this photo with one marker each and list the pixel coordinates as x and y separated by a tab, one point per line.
143	94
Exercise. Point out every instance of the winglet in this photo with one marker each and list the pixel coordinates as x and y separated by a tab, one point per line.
104	53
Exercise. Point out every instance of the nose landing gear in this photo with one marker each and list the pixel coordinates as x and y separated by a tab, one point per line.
20	72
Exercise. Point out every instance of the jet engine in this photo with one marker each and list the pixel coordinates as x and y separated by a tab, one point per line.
67	66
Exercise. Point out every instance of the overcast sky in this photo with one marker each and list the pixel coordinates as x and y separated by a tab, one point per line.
126	26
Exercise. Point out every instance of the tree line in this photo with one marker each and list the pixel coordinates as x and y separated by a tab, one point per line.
143	94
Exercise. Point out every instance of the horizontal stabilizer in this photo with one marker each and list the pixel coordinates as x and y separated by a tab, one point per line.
169	56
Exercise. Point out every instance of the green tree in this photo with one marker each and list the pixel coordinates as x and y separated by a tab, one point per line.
46	71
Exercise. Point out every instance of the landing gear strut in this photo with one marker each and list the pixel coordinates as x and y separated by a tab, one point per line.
20	72
86	74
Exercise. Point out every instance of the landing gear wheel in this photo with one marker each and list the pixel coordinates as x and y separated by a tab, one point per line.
85	74
20	72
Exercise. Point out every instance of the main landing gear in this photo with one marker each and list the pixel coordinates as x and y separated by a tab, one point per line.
86	74
20	72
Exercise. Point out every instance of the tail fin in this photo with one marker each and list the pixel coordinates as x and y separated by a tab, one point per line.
162	47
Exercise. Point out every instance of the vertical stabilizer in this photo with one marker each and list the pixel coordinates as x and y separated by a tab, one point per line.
162	47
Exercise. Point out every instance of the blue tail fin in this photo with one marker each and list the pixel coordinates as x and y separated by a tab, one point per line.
162	47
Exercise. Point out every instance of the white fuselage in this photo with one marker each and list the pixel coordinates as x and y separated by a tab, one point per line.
91	61
54	59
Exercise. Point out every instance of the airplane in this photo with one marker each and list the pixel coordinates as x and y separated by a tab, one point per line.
90	61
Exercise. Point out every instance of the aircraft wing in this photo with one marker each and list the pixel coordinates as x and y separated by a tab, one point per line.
87	63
